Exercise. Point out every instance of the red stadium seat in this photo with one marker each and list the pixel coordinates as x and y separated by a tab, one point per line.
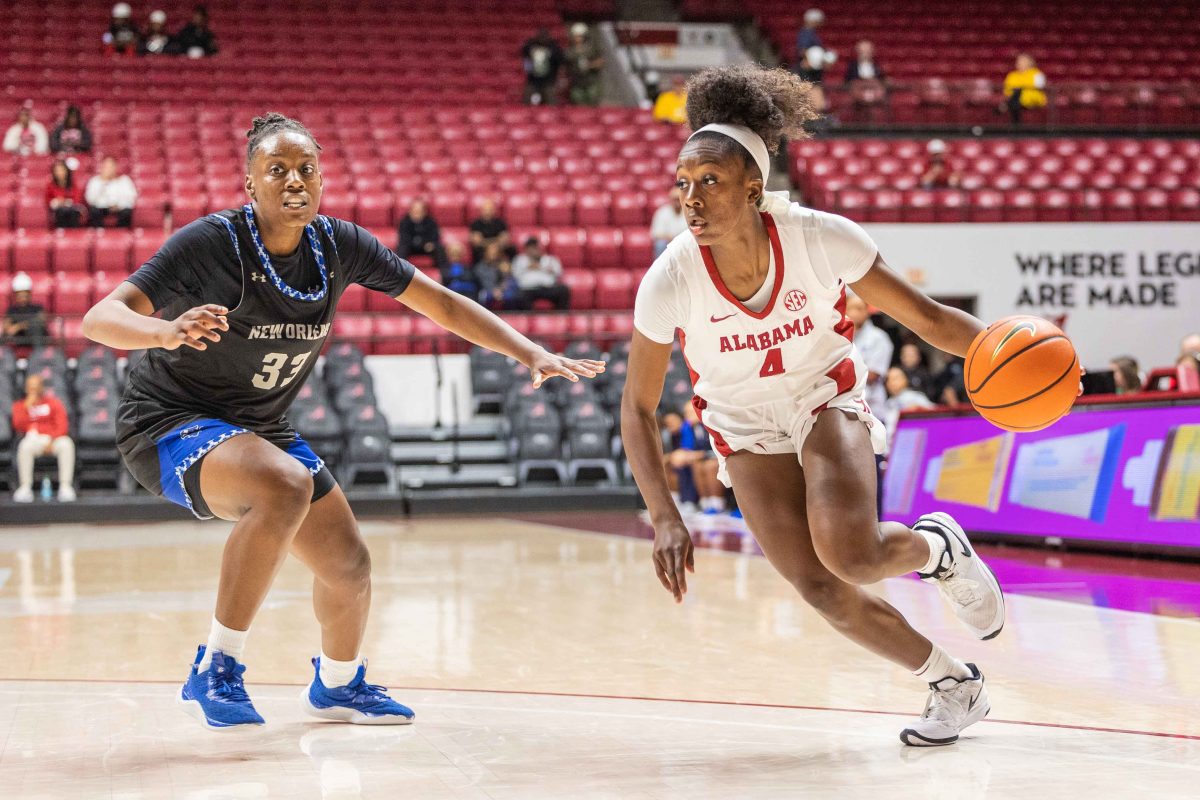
341	205
630	208
854	204
31	251
72	293
145	244
1054	206
582	284
637	248
391	334
32	213
354	328
612	328
448	208
614	289
185	209
987	206
73	251
1154	205
558	208
550	330
592	208
1185	204
887	204
104	282
521	208
374	209
603	249
1020	206
354	299
110	251
919	206
1120	205
567	244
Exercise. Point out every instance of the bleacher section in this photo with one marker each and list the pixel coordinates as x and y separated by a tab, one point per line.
1004	180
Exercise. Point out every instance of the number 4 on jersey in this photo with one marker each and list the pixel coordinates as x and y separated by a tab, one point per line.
772	364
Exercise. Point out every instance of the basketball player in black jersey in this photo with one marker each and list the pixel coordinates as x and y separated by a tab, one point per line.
245	299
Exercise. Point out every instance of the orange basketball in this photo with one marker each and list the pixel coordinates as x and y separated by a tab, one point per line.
1022	373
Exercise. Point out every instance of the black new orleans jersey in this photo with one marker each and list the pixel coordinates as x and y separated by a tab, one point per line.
279	318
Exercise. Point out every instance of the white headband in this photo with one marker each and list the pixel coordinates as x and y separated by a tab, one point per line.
747	139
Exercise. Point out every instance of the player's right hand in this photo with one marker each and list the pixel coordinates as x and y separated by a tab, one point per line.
196	327
674	557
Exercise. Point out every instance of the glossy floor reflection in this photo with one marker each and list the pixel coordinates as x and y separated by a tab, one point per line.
546	662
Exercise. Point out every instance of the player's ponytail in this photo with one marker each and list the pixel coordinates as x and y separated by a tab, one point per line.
773	103
269	124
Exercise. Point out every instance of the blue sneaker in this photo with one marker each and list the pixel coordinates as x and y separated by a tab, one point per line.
358	701
217	697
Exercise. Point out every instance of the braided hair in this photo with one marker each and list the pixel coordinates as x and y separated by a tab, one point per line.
269	125
773	103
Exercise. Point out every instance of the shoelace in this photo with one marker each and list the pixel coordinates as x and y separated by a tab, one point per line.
963	590
228	685
943	704
363	692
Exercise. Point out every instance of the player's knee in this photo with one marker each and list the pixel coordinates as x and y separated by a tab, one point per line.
288	487
354	567
832	599
857	568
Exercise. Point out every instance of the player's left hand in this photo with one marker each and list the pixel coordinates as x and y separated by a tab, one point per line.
545	365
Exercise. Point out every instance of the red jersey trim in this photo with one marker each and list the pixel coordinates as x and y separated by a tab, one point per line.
844	326
843	375
699	403
776	249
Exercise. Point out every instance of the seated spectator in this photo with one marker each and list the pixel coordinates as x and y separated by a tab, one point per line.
540	276
1024	88
27	136
71	136
939	173
1189	344
64	197
121	38
809	35
489	228
42	422
542	58
916	368
584	63
1126	378
419	235
950	388
156	39
458	275
873	345
498	289
196	39
811	68
671	105
693	461
900	397
110	196
667	223
863	67
25	321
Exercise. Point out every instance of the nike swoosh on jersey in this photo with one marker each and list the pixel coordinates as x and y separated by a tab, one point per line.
721	319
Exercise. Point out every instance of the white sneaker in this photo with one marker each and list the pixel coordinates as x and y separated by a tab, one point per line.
953	704
23	494
66	494
963	579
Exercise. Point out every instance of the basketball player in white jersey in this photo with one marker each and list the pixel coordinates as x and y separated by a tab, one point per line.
757	290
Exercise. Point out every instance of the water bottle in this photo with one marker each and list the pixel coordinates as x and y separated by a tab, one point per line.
46	492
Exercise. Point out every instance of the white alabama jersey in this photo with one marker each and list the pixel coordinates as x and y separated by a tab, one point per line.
799	345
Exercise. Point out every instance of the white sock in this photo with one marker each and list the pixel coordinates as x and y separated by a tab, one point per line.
227	640
338	673
939	665
937	547
713	503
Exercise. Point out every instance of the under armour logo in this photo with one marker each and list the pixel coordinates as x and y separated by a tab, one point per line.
190	433
258	276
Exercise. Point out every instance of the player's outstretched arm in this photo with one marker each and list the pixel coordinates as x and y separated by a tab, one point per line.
945	328
673	554
123	321
476	324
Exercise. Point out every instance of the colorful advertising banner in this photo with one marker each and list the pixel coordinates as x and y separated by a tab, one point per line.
1126	474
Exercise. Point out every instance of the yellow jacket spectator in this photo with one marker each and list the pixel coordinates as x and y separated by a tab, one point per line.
1024	87
671	105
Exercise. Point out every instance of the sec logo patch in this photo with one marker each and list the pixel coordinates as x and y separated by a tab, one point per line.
794	300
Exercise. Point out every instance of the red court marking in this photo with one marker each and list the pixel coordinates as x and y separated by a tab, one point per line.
530	693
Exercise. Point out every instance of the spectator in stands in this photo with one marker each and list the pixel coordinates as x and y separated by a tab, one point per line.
110	196
419	234
1024	88
71	136
458	274
489	228
64	198
939	172
27	136
498	289
900	397
41	419
916	368
539	275
1126	378
873	345
196	39
950	387
864	67
1189	344
668	222
671	105
808	37
25	320
691	456
584	63
542	58
121	38
156	39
